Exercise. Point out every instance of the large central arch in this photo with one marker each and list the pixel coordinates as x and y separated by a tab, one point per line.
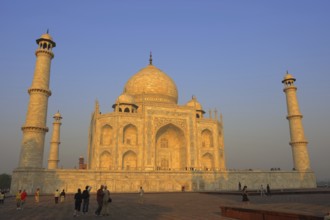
171	149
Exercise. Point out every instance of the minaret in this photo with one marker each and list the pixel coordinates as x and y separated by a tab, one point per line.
34	129
55	142
298	140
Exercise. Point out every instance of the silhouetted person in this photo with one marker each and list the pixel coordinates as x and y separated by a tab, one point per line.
245	197
141	195
77	202
105	206
85	197
62	195
99	199
268	190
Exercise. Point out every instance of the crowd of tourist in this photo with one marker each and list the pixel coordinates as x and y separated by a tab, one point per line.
81	199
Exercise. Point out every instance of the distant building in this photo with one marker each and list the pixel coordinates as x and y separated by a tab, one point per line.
82	165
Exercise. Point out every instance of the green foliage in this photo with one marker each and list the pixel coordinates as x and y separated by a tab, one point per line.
5	181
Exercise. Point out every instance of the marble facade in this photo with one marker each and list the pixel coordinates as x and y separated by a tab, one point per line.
148	140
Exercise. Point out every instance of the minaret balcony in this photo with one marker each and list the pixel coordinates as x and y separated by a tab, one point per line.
37	90
294	116
45	51
35	128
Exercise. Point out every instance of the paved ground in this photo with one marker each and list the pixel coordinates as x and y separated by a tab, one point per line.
167	206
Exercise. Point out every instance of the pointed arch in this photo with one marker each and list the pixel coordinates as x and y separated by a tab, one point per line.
130	135
106	135
171	149
207	161
207	138
105	161
129	160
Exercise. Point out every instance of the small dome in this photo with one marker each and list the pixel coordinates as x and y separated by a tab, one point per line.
47	37
57	115
152	85
194	103
288	76
125	98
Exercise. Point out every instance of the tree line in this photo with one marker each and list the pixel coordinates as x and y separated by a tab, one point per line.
5	181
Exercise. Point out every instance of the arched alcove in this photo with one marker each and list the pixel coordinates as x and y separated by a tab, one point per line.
129	161
207	138
130	136
171	149
105	161
106	135
207	161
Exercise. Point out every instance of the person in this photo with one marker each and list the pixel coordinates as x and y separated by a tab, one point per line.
62	196
106	197
18	199
99	199
268	190
23	198
262	190
85	197
141	193
77	202
36	195
56	195
2	197
239	186
245	197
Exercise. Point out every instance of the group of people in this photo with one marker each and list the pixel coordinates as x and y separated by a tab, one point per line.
103	199
59	196
81	198
20	199
263	191
244	191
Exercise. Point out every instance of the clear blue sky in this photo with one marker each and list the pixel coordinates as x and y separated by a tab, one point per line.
232	55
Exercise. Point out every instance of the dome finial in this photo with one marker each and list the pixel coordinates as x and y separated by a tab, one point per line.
47	30
150	59
287	72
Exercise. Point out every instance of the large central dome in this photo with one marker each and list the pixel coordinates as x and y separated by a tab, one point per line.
151	84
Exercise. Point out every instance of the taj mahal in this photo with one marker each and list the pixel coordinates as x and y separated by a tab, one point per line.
147	140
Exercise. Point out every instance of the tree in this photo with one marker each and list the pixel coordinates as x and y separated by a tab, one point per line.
5	181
